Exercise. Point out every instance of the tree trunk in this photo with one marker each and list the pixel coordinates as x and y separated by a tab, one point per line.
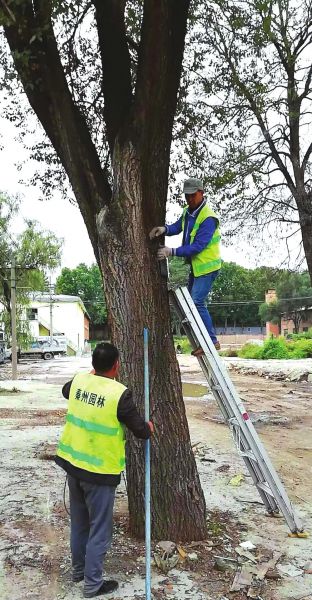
118	221
178	506
306	232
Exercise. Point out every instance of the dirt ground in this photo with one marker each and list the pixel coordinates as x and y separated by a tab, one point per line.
34	549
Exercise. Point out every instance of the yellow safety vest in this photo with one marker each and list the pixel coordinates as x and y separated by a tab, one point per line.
209	259
93	439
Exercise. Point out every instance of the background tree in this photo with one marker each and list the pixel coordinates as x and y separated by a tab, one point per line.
246	122
237	292
85	282
105	92
294	298
35	253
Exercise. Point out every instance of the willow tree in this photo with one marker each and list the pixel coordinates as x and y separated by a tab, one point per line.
103	78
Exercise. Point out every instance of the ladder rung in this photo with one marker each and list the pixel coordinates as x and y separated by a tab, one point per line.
263	485
249	454
216	388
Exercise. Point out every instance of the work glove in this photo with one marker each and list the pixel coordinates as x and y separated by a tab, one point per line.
164	252
156	232
151	426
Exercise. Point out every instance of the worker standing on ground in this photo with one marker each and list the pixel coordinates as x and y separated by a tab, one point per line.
200	247
92	452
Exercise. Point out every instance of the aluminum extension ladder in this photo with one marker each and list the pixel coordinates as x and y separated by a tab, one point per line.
246	439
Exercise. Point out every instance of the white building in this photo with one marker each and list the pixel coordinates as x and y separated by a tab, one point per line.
64	315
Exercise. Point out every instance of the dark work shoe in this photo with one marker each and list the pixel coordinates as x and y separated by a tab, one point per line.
198	352
106	588
77	578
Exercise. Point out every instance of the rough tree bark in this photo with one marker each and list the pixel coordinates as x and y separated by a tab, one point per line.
139	126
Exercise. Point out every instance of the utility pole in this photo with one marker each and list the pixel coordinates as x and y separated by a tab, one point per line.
51	314
13	319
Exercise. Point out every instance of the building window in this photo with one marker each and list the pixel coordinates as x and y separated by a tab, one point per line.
285	331
32	314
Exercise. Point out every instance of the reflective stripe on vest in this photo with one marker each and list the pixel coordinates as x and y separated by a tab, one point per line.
93	439
209	259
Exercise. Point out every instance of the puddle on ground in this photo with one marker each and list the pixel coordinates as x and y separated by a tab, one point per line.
194	390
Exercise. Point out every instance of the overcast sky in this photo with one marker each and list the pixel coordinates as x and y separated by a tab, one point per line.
64	219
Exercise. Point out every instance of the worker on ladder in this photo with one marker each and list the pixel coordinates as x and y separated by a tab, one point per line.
200	247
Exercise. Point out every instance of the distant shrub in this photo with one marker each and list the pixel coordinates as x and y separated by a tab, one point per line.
304	335
301	348
278	348
275	348
251	351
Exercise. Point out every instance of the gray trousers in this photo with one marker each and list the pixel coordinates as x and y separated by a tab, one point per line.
91	520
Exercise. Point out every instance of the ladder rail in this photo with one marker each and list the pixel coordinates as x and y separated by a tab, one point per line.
244	450
260	467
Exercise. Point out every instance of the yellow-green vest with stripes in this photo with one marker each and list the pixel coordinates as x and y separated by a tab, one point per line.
209	259
93	439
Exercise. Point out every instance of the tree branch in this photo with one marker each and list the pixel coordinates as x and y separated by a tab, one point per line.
37	60
306	157
158	76
116	65
266	134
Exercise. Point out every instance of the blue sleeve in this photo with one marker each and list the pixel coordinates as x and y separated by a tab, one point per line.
175	228
201	240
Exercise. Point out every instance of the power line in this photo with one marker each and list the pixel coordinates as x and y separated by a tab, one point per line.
239	302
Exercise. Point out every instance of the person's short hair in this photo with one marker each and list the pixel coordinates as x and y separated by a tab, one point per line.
104	357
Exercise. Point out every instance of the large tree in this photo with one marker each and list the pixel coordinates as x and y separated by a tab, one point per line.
105	91
249	119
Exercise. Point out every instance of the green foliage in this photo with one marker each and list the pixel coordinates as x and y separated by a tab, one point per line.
250	351
236	284
270	312
183	343
274	348
301	348
85	282
304	335
278	348
294	299
35	252
239	292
